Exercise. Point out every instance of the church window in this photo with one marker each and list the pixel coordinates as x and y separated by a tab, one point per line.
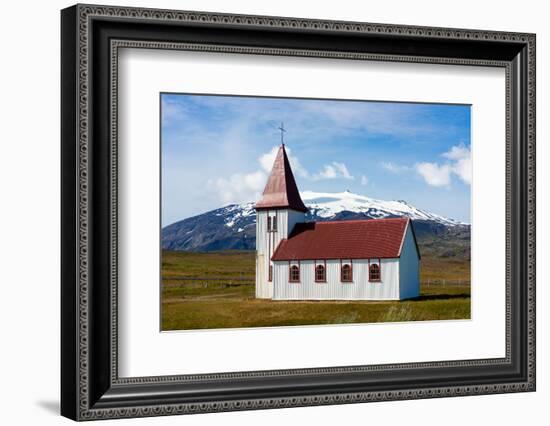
294	274
374	272
320	274
346	274
272	224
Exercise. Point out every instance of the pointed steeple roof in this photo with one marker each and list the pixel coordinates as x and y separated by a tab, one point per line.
281	190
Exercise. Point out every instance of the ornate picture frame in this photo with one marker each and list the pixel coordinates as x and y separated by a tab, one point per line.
91	37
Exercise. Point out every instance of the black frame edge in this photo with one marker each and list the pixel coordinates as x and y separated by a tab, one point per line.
69	188
521	239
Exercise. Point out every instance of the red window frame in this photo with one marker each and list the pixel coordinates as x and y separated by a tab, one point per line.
291	268
375	276
324	266
350	265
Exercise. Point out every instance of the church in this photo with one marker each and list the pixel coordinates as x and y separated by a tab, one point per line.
374	259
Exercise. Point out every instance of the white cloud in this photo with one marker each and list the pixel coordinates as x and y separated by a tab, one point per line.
341	167
463	169
394	168
266	162
239	188
457	152
460	165
364	180
435	174
334	170
384	118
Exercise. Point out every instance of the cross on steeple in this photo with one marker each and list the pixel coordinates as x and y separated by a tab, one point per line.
282	129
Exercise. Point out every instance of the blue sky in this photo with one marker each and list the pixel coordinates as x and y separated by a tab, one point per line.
218	150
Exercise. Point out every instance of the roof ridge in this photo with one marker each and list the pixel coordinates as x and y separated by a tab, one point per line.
332	222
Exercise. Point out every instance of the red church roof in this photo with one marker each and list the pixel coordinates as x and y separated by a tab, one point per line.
281	190
353	239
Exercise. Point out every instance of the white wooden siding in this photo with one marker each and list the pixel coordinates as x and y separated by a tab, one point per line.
334	289
267	242
262	290
409	268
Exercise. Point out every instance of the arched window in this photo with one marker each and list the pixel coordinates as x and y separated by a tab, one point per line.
374	272
346	275
320	274
294	274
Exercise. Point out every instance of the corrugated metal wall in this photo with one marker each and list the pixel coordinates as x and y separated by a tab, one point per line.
334	289
409	268
264	290
267	242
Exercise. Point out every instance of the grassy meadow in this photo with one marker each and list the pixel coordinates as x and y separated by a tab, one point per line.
216	290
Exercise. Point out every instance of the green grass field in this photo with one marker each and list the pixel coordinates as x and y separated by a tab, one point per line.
216	290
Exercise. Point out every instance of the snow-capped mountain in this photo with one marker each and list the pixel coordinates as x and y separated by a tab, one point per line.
234	226
328	205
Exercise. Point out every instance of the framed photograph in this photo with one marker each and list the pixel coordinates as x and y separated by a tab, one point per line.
263	212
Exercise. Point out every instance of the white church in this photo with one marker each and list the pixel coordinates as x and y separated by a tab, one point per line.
375	259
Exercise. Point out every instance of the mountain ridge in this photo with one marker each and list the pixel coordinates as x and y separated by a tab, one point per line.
232	227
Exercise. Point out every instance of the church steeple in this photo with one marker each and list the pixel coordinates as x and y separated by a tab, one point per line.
281	191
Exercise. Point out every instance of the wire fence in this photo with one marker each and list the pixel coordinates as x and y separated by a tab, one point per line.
207	282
